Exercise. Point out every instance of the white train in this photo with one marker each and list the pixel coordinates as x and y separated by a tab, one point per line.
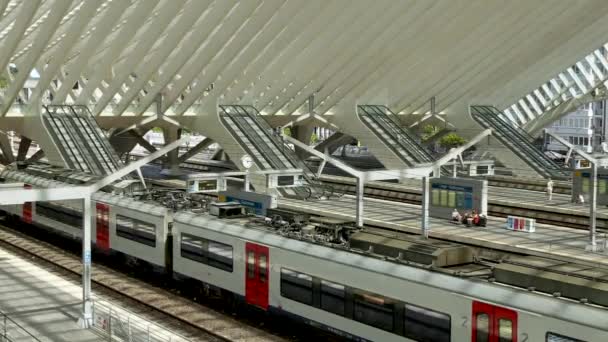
350	294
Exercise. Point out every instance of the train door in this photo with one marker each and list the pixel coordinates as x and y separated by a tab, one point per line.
102	226
493	323
256	275
27	208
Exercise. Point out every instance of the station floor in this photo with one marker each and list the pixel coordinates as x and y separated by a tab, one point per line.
516	198
560	243
46	305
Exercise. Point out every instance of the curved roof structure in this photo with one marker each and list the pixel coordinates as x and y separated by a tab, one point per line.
120	57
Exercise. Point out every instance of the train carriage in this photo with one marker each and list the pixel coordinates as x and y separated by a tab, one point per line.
136	228
208	256
352	294
367	298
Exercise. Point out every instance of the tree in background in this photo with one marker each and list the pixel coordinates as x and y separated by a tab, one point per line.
452	140
429	130
287	131
313	139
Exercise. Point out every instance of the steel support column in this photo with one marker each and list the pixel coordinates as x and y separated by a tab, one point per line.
592	209
360	193
172	162
24	146
195	150
425	206
86	320
6	147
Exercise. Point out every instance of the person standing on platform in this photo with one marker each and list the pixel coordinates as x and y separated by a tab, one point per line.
549	189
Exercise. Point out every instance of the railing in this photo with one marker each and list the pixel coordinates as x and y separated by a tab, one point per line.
120	325
11	331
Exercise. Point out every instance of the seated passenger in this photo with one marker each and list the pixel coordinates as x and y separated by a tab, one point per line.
476	219
483	220
581	199
468	219
456	217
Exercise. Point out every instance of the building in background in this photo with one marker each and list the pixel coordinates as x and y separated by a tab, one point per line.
585	128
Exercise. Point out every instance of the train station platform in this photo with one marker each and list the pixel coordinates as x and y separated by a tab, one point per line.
507	201
561	243
41	305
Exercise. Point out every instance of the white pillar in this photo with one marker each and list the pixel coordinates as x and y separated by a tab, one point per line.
246	181
425	206
592	209
359	203
86	320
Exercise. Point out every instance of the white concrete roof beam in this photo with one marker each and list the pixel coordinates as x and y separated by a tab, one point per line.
229	61
577	81
166	45
509	115
215	30
74	31
3	5
496	56
474	20
587	72
568	84
274	71
109	17
540	97
256	56
596	70
30	32
166	14
9	44
520	116
318	56
528	50
524	106
455	30
370	74
140	14
534	105
371	33
45	33
379	53
298	25
573	35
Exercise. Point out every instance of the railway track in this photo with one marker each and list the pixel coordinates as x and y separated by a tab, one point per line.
193	321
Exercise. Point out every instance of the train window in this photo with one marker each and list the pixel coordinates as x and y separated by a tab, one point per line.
60	213
296	286
208	252
332	297
374	310
426	325
251	265
192	248
263	268
219	255
136	230
482	328
553	337
505	330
